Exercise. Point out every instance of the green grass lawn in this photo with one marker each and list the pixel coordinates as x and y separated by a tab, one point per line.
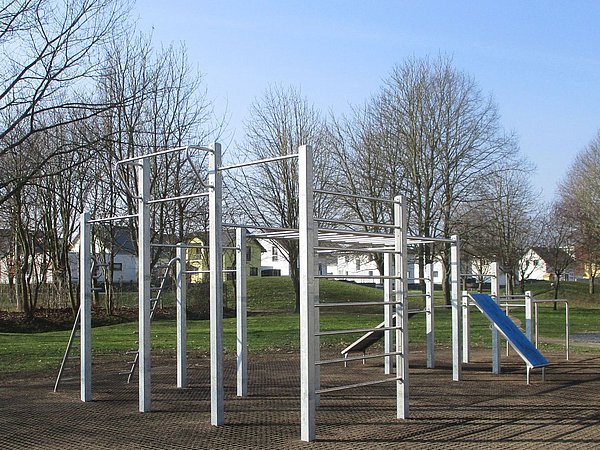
272	326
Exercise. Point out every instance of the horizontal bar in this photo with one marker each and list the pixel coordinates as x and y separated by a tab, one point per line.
361	224
370	277
355	330
358	250
178	245
113	218
421	295
258	161
427	240
192	272
351	386
357	233
181	197
360	197
549	300
329	305
355	358
513	305
163	152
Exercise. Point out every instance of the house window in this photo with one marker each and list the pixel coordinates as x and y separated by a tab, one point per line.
275	254
253	271
370	273
117	267
248	253
357	264
436	274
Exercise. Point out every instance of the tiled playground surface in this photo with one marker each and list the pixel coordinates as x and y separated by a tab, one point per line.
482	411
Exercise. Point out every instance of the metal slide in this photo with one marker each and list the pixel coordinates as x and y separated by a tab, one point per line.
368	339
523	346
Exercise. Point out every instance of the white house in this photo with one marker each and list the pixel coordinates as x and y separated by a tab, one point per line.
357	265
275	261
124	261
537	264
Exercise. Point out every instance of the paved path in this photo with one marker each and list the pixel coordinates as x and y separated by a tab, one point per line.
483	411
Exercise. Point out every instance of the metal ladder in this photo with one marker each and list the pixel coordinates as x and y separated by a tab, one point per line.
154	300
75	332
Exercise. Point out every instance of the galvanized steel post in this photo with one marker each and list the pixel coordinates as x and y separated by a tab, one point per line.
401	260
144	396
181	286
430	315
85	299
216	286
495	291
456	306
466	327
240	312
306	239
387	311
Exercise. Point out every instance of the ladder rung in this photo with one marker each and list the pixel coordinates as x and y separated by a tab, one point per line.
69	379
131	352
129	372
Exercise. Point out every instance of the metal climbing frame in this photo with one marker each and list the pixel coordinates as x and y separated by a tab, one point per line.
142	166
312	240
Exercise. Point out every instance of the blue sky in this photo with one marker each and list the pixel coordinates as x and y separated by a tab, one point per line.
540	60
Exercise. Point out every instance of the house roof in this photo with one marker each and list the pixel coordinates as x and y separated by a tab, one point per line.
550	254
120	240
228	239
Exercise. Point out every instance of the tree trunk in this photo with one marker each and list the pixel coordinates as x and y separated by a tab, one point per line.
556	286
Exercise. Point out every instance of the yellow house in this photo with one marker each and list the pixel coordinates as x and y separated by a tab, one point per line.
197	257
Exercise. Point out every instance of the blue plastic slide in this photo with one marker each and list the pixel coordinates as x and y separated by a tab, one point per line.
523	346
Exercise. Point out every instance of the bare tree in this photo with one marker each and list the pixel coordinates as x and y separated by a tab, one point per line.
366	167
161	104
503	224
439	136
49	52
558	245
282	120
579	203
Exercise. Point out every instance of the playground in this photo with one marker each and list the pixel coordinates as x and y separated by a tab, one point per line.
482	411
216	399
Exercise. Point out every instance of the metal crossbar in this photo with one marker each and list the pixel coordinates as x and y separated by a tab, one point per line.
356	330
357	250
256	162
360	197
371	277
355	358
181	197
163	152
357	385
321	305
360	224
112	218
